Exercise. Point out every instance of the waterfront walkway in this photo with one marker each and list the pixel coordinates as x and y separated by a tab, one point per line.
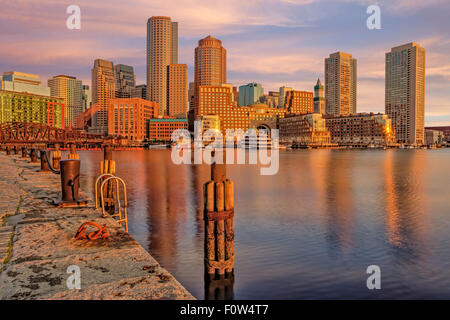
37	246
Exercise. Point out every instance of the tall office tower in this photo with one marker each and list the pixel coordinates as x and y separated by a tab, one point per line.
191	95
340	84
70	89
140	91
250	94
103	89
282	97
125	80
162	50
210	63
23	82
405	92
177	90
86	100
319	99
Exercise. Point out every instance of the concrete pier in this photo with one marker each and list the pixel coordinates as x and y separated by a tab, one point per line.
37	246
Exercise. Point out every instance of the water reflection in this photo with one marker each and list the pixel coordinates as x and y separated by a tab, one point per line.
308	232
405	214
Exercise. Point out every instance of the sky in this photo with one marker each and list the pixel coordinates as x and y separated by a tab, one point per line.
272	42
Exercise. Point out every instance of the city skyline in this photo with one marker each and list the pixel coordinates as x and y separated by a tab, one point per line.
285	59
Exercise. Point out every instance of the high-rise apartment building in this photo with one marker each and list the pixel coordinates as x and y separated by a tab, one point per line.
103	90
125	80
177	90
162	51
319	99
70	90
250	94
23	82
405	92
340	84
210	63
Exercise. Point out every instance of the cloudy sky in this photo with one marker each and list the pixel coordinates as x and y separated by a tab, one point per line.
274	42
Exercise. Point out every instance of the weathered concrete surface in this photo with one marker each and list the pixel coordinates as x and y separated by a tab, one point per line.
43	246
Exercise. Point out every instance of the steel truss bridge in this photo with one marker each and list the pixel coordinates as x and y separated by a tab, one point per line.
20	133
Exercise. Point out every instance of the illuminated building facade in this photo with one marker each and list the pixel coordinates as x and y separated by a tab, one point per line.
161	129
129	117
177	90
299	102
32	108
340	84
405	92
70	89
103	90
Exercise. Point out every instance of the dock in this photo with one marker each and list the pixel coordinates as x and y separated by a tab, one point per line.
38	251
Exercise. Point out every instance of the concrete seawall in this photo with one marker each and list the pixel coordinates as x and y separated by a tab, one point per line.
37	246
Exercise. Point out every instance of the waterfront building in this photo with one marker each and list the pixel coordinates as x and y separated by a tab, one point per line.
129	117
405	92
103	90
177	91
434	137
162	51
340	84
319	99
86	98
218	101
161	129
305	130
299	102
444	129
282	96
251	93
70	90
33	108
15	81
209	122
125	80
361	129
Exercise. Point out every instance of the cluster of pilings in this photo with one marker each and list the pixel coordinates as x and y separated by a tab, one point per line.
219	235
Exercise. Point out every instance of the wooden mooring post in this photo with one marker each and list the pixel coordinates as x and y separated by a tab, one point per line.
219	222
56	157
73	155
108	165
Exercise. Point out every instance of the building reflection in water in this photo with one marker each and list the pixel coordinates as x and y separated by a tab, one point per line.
404	207
166	187
339	202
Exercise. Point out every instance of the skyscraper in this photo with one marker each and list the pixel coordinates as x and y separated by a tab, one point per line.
86	98
177	90
103	89
405	92
250	94
340	84
125	80
210	63
23	82
319	100
162	50
282	97
69	89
